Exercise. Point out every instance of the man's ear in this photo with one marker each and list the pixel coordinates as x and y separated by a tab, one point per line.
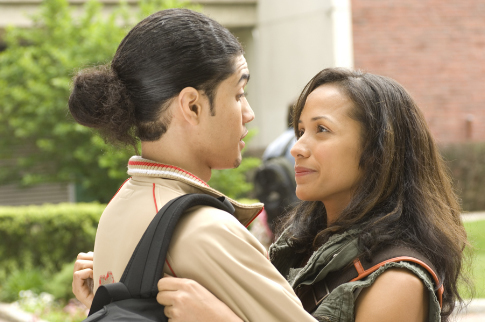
190	103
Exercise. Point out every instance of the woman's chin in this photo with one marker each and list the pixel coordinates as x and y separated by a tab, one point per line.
304	196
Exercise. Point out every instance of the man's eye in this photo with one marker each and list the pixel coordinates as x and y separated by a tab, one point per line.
239	96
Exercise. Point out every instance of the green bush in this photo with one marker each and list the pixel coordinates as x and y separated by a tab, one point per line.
467	166
22	280
60	285
45	237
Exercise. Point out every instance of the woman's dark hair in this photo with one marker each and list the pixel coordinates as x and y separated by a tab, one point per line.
164	53
405	195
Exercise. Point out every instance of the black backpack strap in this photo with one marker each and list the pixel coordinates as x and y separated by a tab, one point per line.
312	295
109	293
145	267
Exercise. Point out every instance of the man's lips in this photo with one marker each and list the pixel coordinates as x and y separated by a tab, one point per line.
301	171
244	135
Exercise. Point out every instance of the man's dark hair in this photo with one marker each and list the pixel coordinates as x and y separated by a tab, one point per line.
164	53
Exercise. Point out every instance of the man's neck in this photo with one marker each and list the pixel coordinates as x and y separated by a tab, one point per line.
173	154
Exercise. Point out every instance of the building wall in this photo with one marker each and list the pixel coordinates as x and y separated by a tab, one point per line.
436	49
293	41
14	195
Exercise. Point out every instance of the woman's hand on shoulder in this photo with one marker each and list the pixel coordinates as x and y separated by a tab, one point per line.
396	295
186	300
82	279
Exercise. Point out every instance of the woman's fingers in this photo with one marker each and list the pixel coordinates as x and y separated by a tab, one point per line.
82	264
79	281
86	256
168	312
82	279
84	260
187	301
169	283
83	274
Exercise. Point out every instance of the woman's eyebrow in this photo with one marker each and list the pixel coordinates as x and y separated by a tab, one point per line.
316	118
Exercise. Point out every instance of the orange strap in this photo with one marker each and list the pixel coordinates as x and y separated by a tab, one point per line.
363	273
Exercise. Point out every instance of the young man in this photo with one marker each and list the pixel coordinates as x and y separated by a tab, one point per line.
196	127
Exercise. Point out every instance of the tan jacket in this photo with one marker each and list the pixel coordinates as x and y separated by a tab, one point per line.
209	245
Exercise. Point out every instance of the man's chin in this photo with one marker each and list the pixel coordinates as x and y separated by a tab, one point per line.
237	162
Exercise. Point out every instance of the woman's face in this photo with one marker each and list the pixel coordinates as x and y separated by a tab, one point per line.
328	151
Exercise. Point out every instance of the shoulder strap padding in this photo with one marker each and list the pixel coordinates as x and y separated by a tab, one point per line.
312	295
109	293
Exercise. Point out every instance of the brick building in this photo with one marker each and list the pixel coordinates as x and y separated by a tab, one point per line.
436	49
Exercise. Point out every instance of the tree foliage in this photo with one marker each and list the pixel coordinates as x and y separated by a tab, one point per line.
39	140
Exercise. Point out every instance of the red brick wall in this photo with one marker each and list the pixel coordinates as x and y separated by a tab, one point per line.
436	49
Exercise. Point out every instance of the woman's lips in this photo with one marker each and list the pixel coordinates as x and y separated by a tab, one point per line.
302	171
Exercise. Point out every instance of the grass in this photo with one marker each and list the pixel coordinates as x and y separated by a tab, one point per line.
476	236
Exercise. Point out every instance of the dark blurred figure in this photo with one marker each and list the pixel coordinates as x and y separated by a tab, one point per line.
274	181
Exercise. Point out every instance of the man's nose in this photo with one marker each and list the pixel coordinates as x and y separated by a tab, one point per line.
248	113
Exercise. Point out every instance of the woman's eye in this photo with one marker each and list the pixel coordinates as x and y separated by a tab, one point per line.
300	133
322	129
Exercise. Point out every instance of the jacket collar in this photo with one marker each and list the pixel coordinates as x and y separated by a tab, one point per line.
336	253
138	166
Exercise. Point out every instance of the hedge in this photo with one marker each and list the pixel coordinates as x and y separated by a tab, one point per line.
47	236
467	166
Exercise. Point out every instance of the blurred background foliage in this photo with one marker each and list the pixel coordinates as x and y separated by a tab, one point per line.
39	246
466	162
38	137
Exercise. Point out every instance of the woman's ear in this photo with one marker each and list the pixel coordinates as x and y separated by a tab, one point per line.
190	104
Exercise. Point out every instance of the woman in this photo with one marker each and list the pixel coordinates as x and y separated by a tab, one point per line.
370	176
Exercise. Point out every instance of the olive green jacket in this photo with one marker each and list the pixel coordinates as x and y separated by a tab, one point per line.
338	252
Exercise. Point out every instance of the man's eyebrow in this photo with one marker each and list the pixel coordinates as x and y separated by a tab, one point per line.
244	77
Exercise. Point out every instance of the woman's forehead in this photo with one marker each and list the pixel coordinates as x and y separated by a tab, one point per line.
326	99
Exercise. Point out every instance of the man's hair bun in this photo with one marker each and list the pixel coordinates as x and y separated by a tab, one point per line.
100	100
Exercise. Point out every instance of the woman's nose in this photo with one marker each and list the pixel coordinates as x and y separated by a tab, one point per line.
299	149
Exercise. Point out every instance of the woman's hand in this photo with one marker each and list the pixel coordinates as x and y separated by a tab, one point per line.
82	280
186	300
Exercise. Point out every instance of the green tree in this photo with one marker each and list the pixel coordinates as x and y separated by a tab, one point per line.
39	141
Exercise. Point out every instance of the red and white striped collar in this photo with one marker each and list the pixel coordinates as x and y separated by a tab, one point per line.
138	166
144	167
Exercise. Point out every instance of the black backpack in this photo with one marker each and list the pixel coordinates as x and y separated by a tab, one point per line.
274	185
133	298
